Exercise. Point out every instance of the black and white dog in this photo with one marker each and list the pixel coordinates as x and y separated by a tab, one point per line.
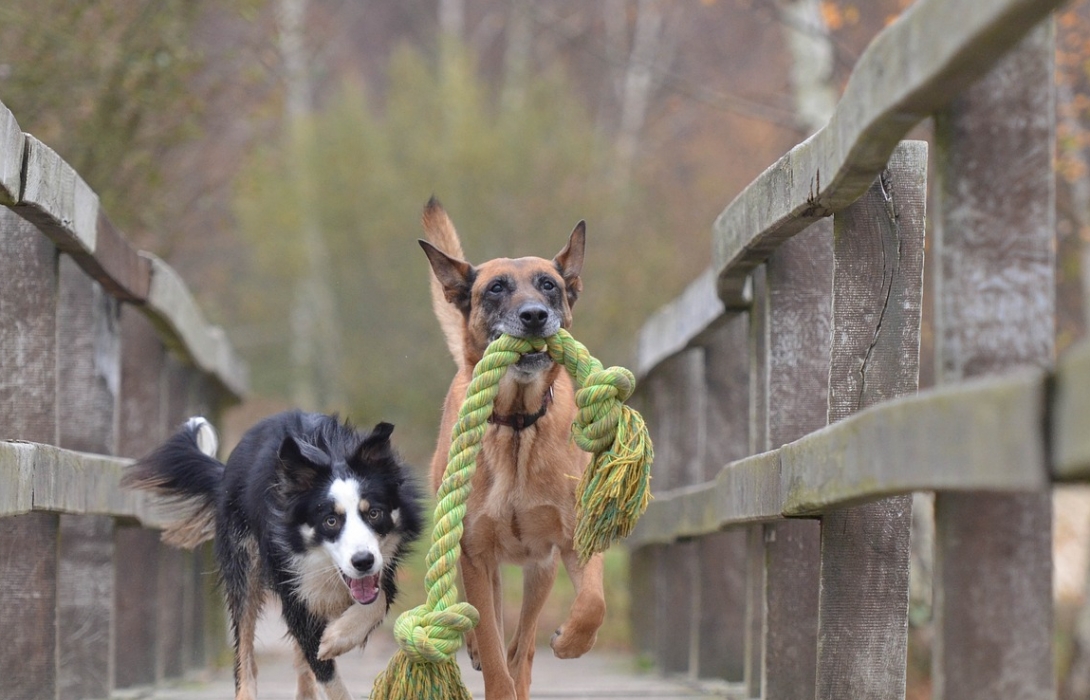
306	506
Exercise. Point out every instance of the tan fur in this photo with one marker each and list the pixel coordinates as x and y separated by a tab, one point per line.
522	506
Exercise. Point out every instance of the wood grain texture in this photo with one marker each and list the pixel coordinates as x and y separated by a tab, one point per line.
799	312
89	368
722	556
57	200
28	574
994	311
142	424
136	603
674	408
28	339
912	69
174	312
85	599
877	296
12	148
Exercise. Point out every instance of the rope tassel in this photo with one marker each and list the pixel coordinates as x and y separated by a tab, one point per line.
612	495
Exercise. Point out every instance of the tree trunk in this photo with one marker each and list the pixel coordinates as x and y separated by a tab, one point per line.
807	39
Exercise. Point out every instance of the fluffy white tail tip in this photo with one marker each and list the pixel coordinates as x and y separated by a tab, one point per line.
205	434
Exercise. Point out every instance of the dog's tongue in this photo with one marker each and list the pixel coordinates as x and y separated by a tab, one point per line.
364	590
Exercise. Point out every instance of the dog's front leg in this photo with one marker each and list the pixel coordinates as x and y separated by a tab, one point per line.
481	594
579	632
352	628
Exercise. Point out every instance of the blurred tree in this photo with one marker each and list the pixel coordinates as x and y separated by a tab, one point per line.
117	88
515	180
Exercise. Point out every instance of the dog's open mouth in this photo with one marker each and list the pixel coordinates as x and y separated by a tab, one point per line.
364	590
533	360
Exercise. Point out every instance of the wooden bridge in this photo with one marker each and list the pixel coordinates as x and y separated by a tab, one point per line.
781	388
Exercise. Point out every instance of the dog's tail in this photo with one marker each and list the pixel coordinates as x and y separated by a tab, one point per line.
185	472
439	231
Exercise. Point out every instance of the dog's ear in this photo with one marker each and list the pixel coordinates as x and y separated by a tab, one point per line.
454	275
569	261
301	463
376	448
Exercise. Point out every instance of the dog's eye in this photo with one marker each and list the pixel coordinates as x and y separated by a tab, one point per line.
547	285
496	288
374	514
331	522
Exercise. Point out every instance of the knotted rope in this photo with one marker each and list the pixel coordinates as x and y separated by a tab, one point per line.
613	493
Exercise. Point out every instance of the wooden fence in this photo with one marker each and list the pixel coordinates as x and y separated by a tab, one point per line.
102	352
781	388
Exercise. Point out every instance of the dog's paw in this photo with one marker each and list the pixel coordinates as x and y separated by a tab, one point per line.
471	650
342	635
570	643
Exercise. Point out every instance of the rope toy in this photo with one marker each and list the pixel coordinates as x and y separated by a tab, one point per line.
612	495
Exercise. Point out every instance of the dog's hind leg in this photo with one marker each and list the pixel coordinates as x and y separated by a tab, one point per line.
578	633
537	582
245	597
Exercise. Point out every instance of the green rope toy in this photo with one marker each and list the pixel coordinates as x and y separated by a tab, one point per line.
612	495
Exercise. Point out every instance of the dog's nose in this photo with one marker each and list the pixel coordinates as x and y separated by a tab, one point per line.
363	561
533	317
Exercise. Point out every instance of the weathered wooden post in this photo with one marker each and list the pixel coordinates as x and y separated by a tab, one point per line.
877	296
722	556
994	311
796	321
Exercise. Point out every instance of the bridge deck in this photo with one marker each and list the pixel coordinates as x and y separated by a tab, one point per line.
597	675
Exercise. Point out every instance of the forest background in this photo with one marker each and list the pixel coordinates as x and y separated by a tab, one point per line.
278	153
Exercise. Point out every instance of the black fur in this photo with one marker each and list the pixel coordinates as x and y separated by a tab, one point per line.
273	492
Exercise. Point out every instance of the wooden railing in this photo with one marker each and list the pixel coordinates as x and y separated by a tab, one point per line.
102	352
781	388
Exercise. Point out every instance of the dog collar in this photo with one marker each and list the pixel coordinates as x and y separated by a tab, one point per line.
521	421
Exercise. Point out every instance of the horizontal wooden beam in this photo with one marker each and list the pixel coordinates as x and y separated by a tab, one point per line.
174	311
44	189
991	434
38	477
912	69
678	324
12	146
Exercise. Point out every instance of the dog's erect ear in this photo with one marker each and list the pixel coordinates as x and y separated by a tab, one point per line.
301	463
454	275
569	261
376	448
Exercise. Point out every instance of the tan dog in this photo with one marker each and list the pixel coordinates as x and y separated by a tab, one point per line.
522	507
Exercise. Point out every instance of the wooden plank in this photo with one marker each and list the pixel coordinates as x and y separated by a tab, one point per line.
979	434
57	200
877	296
744	491
675	414
89	369
87	391
912	69
679	324
722	556
756	579
799	323
28	574
12	147
994	310
172	309
142	424
57	480
136	603
1070	412
85	598
28	340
